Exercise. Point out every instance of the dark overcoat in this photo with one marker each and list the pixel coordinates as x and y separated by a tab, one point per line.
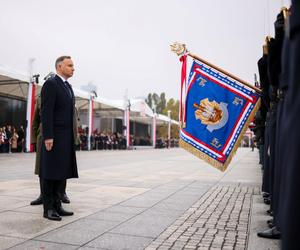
263	132
291	137
36	133
275	51
281	136
57	111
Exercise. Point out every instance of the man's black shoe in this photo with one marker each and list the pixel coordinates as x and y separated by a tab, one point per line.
63	212
38	201
52	215
271	233
65	198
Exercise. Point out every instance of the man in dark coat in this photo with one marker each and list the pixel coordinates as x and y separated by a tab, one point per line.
36	138
8	138
58	159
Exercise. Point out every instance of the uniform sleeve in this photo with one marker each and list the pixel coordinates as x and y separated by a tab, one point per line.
274	62
75	126
36	121
48	96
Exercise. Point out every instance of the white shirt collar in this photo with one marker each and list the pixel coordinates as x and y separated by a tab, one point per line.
61	77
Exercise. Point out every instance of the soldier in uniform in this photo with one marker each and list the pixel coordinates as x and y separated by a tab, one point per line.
274	70
262	114
291	137
36	138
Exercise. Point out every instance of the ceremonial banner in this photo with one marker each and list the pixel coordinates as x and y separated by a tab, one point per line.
215	112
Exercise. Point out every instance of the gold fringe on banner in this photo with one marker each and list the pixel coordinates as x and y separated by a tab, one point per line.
188	147
221	166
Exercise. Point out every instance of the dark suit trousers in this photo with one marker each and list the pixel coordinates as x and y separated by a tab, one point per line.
63	187
52	190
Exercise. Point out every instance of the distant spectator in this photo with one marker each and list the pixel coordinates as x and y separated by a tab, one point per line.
83	139
2	141
21	139
8	132
14	140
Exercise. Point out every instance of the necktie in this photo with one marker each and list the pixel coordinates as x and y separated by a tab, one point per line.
68	88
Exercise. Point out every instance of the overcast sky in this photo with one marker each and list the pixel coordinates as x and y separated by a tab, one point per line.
119	44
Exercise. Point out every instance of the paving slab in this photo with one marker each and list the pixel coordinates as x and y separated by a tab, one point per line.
157	211
124	209
109	216
42	245
7	242
79	232
23	225
144	225
163	209
124	242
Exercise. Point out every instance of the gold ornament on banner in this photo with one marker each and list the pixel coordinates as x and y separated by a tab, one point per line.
178	48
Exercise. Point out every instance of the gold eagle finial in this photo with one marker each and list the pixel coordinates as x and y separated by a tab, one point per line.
178	48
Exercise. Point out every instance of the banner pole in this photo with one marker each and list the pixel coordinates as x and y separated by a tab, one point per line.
180	49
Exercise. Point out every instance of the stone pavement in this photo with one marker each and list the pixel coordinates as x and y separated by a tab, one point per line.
141	199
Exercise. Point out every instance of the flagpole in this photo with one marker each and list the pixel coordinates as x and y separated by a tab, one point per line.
180	50
224	72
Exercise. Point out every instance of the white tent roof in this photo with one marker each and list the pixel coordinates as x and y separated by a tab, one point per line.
14	84
140	110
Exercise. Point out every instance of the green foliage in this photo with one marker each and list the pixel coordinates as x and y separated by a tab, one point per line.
156	102
149	100
162	103
173	106
159	104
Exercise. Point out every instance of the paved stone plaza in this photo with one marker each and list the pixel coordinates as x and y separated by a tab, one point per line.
139	199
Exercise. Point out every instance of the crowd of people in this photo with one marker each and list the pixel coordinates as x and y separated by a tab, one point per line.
12	140
101	140
277	128
115	141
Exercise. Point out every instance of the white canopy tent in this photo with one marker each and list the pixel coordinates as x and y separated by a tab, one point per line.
16	85
13	84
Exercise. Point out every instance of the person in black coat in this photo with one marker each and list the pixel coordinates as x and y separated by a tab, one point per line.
58	159
290	136
261	116
21	139
273	175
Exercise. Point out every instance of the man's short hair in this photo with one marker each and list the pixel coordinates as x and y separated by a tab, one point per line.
60	59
